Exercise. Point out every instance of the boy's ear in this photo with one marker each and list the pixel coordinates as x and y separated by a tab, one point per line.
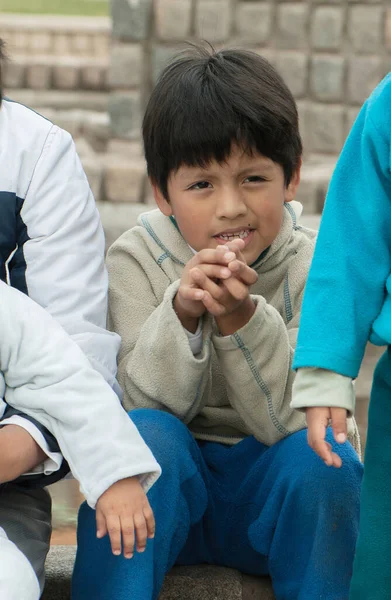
291	189
162	203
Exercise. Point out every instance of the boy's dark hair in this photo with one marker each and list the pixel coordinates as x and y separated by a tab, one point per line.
205	100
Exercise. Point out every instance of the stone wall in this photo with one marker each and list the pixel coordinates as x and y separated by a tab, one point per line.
331	53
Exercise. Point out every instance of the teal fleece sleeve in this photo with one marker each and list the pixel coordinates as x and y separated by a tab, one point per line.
346	289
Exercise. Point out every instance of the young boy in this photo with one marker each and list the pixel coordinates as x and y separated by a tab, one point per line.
206	294
44	374
347	302
52	249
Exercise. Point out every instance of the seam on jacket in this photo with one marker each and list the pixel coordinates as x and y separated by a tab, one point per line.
45	147
162	258
292	214
261	384
158	241
287	300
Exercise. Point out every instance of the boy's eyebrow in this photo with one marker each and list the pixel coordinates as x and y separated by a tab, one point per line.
194	172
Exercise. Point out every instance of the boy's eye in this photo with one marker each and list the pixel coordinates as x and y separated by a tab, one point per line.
254	179
200	185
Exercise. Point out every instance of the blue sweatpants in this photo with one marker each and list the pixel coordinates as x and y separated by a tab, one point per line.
372	573
264	510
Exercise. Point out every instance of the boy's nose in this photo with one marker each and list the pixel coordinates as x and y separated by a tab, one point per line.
230	205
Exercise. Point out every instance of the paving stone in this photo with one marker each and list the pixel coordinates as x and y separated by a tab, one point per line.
39	76
161	56
292	20
388	28
364	73
124	179
125	66
213	20
131	19
293	67
327	77
326	128
125	114
41	100
327	28
172	19
253	22
365	28
66	76
14	74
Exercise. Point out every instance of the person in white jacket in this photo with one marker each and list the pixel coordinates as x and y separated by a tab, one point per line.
51	249
44	374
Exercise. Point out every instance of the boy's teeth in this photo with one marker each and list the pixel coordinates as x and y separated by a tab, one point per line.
233	236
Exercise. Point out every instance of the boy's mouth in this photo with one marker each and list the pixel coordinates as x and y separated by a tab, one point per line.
234	234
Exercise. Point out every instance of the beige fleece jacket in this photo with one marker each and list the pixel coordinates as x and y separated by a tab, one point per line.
238	385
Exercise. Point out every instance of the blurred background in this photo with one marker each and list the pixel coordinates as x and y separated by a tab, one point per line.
89	66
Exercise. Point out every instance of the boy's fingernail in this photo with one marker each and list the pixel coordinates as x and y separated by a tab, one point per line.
341	438
129	555
141	549
230	256
116	552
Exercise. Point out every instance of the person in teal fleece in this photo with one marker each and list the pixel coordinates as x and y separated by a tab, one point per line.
346	303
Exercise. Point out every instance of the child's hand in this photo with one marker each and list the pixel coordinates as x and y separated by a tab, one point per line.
207	265
318	421
122	510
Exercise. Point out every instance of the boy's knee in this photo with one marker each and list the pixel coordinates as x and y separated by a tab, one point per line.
159	429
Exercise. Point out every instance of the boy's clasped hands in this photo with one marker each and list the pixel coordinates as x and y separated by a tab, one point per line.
217	281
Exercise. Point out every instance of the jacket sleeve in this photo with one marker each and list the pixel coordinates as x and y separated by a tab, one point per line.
48	377
346	288
257	365
59	261
156	367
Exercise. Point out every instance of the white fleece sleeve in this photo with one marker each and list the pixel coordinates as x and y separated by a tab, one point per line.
48	377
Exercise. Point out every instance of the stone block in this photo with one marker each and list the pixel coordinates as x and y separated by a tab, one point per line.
303	110
71	121
172	19
62	44
131	19
327	28
161	56
351	116
293	67
315	179
41	42
125	66
387	24
125	114
365	28
39	76
14	74
364	73
101	44
326	128
124	179
95	128
94	77
66	76
125	149
81	44
327	78
213	20
253	22
292	21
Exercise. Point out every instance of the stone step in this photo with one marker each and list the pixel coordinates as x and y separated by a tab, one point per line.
44	100
56	35
201	582
49	71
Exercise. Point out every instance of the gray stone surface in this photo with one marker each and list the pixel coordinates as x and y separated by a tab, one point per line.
327	77
326	128
293	67
213	20
183	583
292	21
125	114
131	19
364	73
125	66
173	19
365	28
253	22
161	56
327	28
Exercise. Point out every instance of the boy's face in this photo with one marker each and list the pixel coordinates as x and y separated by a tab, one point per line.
242	197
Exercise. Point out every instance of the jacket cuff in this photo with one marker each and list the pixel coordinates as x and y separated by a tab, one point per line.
314	387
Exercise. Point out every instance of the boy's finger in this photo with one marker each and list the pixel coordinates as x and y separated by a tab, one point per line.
236	288
191	293
212	306
213	271
316	439
114	531
236	245
127	528
208	285
141	531
101	529
339	424
150	520
221	255
243	271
